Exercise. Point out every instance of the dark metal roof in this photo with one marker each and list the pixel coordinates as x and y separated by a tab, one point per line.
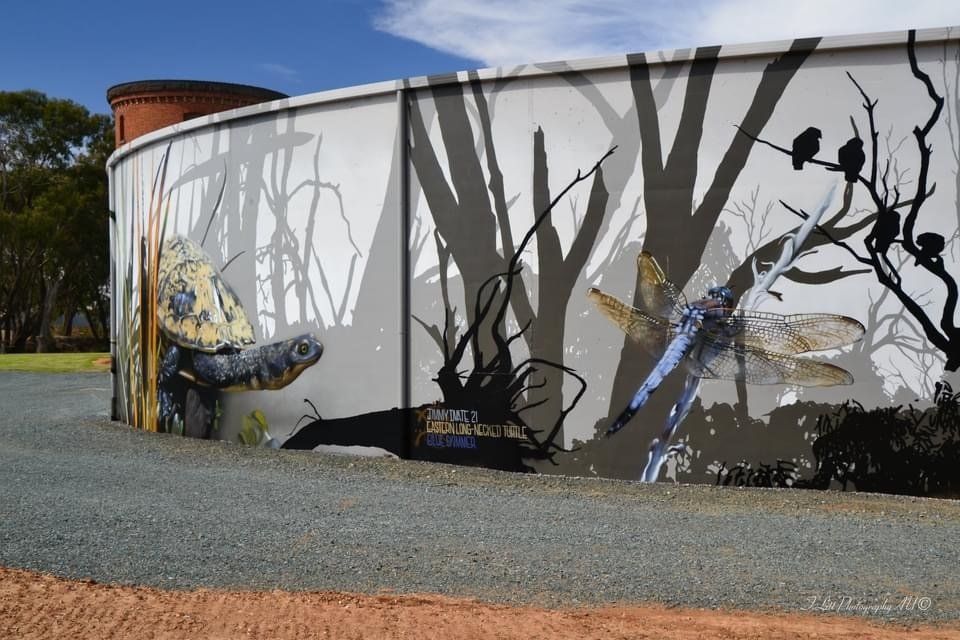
192	86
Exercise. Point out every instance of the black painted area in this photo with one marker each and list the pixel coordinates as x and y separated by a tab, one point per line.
416	436
382	429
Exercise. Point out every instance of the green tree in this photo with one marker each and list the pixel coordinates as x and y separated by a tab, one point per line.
54	255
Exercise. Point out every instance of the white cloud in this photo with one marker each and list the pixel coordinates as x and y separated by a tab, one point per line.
503	32
506	32
751	21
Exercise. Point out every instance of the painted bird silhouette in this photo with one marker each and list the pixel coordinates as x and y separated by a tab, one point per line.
885	231
851	158
805	146
931	246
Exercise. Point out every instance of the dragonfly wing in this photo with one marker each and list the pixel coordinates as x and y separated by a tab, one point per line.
653	334
658	296
714	359
790	334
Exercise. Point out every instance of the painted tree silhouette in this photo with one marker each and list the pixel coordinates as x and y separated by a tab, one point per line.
668	186
677	225
889	232
254	170
472	217
501	389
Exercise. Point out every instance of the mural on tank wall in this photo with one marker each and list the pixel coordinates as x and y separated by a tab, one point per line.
469	221
460	169
532	200
242	232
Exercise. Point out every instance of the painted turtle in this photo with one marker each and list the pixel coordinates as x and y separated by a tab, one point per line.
207	335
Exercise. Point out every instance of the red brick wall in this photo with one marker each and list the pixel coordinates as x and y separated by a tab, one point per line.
140	113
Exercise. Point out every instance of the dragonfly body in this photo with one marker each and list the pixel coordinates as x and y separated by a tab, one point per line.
710	339
694	318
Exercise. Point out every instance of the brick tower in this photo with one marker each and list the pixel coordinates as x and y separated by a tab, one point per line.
147	105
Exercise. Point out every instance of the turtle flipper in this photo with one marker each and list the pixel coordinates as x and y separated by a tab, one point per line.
198	413
169	411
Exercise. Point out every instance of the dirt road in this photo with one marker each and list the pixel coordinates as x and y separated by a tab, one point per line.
34	606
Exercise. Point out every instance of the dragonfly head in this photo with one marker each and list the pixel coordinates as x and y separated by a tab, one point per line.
722	295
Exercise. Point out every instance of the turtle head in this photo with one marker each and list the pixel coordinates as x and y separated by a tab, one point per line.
272	366
285	361
303	351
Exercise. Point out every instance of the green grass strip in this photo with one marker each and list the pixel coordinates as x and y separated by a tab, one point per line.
55	362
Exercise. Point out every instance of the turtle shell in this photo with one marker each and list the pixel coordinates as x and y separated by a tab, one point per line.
196	307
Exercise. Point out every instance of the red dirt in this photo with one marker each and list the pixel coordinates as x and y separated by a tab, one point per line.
40	606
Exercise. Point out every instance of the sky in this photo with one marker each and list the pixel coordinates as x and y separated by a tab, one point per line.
77	50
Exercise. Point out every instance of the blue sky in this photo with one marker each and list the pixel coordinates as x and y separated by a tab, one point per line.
76	50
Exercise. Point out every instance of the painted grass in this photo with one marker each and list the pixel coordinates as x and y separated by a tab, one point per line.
55	362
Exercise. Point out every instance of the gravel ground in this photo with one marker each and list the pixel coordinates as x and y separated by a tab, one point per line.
87	498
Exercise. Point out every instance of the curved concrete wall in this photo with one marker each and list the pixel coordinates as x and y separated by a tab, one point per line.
386	220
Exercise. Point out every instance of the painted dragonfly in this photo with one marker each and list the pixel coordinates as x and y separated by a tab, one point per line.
713	340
